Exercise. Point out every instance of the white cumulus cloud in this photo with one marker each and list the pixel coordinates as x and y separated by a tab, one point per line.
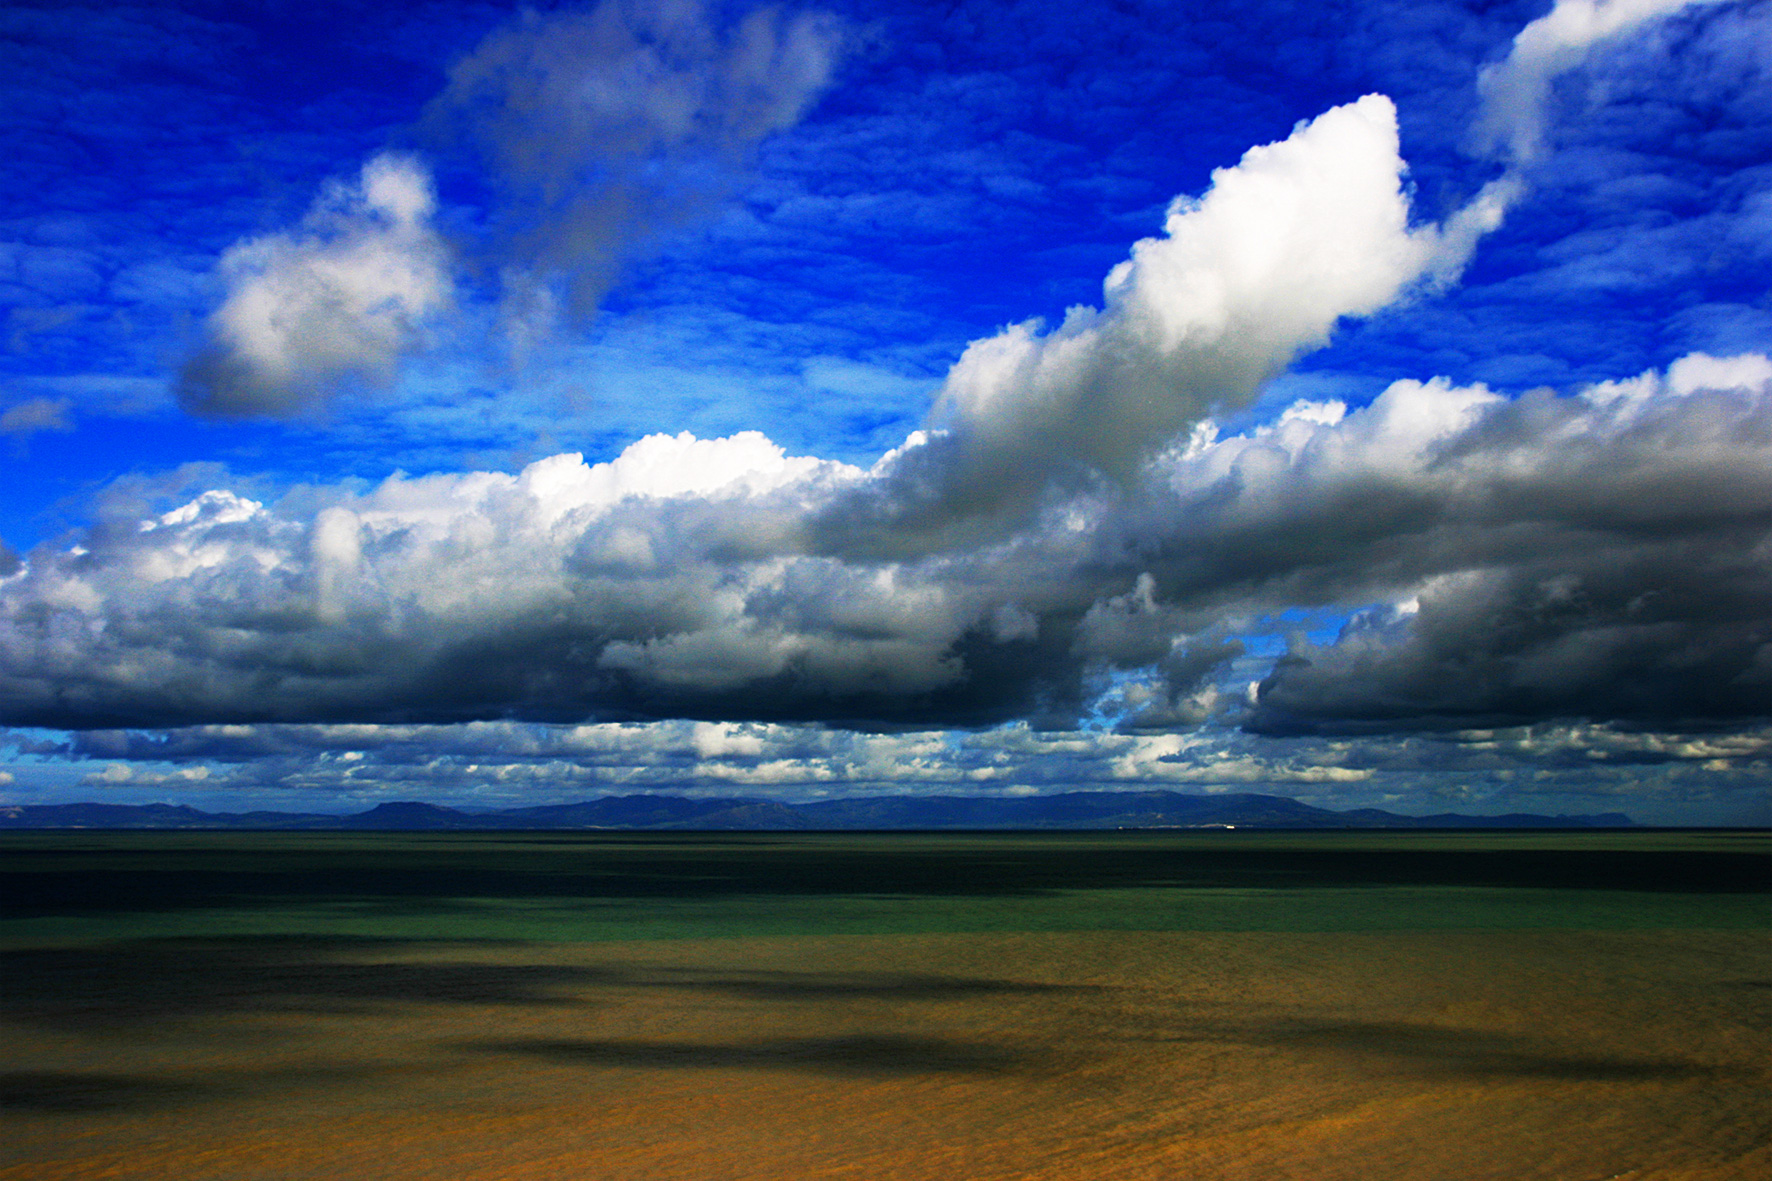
341	298
1299	235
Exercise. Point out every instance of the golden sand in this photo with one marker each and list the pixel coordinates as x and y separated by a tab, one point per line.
1422	1055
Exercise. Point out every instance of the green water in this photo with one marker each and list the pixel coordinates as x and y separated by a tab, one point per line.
81	887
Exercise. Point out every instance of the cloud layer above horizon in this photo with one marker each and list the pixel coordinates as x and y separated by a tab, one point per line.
1138	546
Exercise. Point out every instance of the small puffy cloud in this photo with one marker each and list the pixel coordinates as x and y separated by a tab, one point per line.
594	129
340	299
128	775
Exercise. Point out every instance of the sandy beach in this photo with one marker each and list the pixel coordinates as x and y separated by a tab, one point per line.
1440	1054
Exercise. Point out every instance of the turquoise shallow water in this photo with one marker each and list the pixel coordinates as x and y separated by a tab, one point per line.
587	887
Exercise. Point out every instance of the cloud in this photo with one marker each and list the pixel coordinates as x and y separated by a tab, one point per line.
121	775
27	323
510	760
1516	93
1600	555
1297	236
1547	767
36	414
1069	537
592	130
1516	98
337	301
598	128
1603	557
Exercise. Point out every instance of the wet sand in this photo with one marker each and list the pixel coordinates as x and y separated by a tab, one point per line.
1455	1054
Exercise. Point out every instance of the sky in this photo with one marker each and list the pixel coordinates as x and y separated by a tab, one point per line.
1369	403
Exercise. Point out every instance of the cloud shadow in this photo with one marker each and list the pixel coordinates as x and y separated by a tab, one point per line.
60	1092
141	982
870	1055
1479	1054
144	981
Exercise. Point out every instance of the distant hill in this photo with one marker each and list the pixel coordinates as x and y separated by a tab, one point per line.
1067	810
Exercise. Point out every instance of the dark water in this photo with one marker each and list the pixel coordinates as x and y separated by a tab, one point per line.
580	887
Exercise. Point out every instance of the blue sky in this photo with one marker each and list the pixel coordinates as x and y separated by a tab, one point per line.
490	406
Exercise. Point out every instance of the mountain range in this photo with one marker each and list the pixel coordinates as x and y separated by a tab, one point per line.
1067	810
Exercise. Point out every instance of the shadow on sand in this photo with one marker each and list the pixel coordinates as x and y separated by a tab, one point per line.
144	982
873	1055
147	981
57	1092
1478	1054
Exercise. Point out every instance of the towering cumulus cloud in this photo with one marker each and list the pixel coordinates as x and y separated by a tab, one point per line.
342	298
1297	236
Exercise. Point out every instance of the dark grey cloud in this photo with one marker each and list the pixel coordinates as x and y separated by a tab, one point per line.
1597	559
1597	556
1675	637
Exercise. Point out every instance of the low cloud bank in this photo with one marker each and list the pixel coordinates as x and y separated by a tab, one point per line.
1601	555
1550	767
